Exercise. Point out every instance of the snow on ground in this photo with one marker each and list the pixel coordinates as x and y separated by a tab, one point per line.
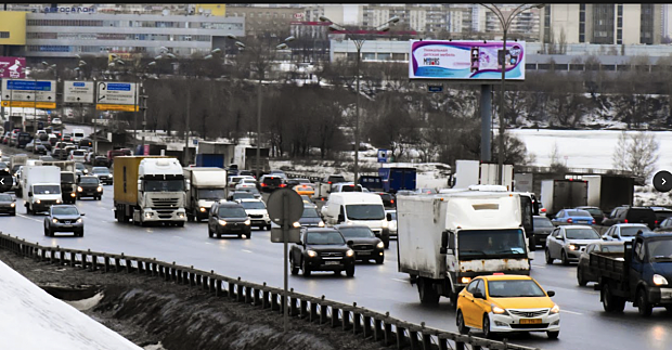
586	148
31	319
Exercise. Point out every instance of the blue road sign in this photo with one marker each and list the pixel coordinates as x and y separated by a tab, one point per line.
118	86
382	156
435	88
29	85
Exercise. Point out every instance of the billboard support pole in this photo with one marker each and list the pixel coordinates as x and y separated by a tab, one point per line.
500	153
486	122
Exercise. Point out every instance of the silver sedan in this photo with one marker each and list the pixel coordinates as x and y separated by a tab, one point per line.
566	241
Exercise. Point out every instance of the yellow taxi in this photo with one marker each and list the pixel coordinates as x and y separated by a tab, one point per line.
305	189
507	303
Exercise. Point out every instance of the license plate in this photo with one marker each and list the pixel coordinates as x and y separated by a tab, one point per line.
332	263
530	321
364	252
582	221
67	226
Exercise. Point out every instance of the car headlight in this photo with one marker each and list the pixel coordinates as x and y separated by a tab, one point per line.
555	309
148	215
58	201
202	209
350	253
659	280
296	224
180	215
320	224
85	171
73	195
100	188
248	222
311	253
79	221
465	280
385	224
12	205
55	221
222	222
38	201
572	247
380	245
79	189
498	310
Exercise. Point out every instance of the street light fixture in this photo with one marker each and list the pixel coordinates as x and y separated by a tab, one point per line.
241	45
505	22
359	42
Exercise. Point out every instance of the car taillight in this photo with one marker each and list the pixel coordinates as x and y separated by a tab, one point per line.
656	222
282	185
543	210
569	220
392	201
593	221
625	221
329	182
263	184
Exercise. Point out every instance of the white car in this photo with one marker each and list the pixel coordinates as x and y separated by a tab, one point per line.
624	232
256	211
391	224
56	121
78	155
246	183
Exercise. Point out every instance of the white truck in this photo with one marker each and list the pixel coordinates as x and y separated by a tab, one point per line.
447	239
68	178
149	189
357	208
207	186
473	172
41	187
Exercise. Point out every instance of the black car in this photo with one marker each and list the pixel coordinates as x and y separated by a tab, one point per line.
270	183
595	212
22	139
322	249
310	217
100	161
542	228
89	186
103	174
661	214
7	204
388	200
361	239
229	218
293	182
64	218
240	195
632	215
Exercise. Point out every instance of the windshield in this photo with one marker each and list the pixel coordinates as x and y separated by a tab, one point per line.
64	211
252	190
357	232
89	180
660	249
324	238
578	213
514	289
46	189
163	186
3	165
582	233
632	230
232	212
79	166
480	244
242	195
5	198
365	212
309	212
253	205
101	171
78	153
211	193
542	222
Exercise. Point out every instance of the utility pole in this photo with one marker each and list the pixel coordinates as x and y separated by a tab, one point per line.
186	127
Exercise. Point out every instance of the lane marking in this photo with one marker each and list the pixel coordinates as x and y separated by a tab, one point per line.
400	280
246	250
208	243
29	218
571	312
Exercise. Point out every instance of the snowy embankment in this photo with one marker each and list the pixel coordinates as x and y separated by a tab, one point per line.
31	319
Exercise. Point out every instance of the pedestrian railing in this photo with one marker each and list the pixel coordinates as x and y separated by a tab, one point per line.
352	319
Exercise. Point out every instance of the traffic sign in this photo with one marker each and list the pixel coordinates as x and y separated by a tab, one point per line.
285	204
117	96
29	93
434	88
78	91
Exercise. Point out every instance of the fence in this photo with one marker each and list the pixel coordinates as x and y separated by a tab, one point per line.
349	318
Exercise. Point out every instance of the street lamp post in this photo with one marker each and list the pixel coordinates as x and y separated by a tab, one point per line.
241	45
505	22
359	42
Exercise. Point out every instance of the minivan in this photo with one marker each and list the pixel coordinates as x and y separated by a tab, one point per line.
358	208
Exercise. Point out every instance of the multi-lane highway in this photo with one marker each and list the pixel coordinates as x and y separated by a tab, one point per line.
378	287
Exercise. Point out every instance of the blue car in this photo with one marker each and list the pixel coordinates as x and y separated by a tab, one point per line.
573	216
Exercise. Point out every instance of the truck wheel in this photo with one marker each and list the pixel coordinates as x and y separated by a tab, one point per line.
28	211
210	234
305	268
532	244
386	241
553	335
579	277
549	259
180	224
611	303
293	266
350	271
643	306
564	258
461	327
428	295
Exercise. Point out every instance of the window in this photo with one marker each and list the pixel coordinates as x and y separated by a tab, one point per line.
639	251
473	287
4	35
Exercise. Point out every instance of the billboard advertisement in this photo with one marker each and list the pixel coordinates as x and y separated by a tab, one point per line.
466	60
12	67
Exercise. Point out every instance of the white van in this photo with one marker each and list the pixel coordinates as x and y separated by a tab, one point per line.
77	135
358	208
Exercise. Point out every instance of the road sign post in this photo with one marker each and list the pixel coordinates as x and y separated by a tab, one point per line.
285	207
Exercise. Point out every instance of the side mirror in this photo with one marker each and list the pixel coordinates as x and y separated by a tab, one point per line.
341	218
550	293
140	185
479	295
444	239
350	243
30	194
388	217
187	185
604	238
82	214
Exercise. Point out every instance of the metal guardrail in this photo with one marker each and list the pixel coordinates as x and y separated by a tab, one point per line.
350	318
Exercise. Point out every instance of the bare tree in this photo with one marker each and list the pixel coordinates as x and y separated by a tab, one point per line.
619	158
638	155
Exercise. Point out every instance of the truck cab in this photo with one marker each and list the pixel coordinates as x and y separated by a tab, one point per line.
356	208
642	276
161	193
206	187
41	188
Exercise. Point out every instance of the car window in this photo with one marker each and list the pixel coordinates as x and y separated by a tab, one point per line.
357	232
542	222
514	289
659	249
594	211
5	198
324	238
636	214
610	231
232	212
64	211
309	212
590	248
631	231
582	233
561	213
639	251
253	205
472	287
578	213
481	287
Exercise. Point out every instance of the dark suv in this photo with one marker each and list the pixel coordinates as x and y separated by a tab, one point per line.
270	183
322	249
631	215
229	218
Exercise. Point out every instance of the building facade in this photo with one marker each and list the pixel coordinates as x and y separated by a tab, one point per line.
611	24
266	21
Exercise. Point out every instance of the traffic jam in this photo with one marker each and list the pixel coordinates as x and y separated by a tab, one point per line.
472	245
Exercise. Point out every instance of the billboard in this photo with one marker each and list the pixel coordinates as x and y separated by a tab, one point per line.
78	91
29	93
117	96
12	67
466	60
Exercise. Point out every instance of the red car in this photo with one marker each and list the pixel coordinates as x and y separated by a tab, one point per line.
118	152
